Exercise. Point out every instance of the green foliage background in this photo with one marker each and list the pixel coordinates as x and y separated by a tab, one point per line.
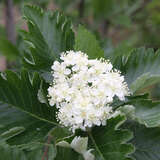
28	126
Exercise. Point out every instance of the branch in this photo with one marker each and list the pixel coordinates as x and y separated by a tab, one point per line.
9	17
81	8
144	4
105	27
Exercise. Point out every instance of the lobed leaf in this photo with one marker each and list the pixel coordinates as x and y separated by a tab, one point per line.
147	112
48	36
146	141
32	140
9	153
141	68
109	142
35	129
21	92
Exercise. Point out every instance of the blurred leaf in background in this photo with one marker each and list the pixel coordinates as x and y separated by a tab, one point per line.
9	50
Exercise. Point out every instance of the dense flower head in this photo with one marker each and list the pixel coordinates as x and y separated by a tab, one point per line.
83	90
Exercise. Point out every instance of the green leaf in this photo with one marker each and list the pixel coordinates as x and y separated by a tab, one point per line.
48	36
37	151
147	112
35	129
12	132
128	100
32	140
141	109
129	111
9	153
33	151
141	68
59	133
66	154
86	42
21	92
144	81
146	141
109	142
8	49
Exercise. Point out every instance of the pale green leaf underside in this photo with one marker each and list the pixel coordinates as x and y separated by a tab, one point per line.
147	112
146	141
143	81
141	68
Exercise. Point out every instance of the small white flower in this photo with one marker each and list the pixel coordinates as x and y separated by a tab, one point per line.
83	89
80	144
67	71
75	68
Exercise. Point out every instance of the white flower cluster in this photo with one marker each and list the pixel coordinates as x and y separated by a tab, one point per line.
83	89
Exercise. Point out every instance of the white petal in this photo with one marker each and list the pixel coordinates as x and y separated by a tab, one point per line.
79	144
88	155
